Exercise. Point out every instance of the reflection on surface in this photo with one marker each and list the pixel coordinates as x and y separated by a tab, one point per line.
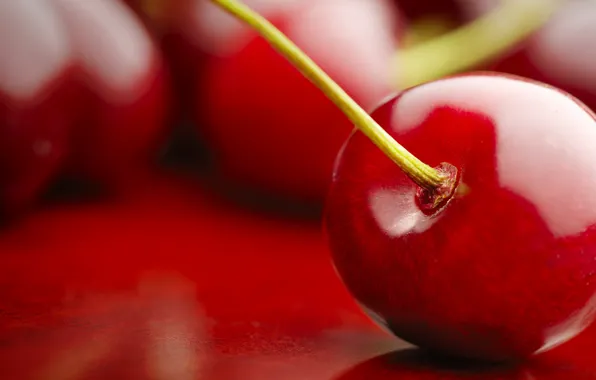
415	364
153	333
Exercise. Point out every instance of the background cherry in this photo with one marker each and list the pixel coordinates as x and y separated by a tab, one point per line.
506	269
259	137
36	96
189	33
560	53
120	129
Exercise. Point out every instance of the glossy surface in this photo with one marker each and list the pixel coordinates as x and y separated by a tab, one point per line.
268	126
503	271
154	288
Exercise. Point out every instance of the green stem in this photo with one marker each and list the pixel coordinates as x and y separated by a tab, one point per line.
473	44
422	174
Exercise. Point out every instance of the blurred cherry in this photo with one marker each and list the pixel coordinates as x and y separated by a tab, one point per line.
269	128
81	86
36	99
123	124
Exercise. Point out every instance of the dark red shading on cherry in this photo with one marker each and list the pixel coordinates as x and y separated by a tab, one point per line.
172	24
37	95
34	137
111	141
255	139
504	270
416	9
123	122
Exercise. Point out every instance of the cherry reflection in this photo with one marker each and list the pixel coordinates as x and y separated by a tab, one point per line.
416	364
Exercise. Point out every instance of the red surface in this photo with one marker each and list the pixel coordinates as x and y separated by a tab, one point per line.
176	284
491	275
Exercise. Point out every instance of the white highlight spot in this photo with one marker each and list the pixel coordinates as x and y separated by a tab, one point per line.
397	213
34	47
111	43
571	327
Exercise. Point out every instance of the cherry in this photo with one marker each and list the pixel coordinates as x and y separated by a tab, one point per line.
189	33
36	94
82	83
258	137
491	253
502	271
124	121
429	18
223	66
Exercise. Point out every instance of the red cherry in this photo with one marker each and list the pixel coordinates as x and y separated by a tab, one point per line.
286	144
36	97
124	121
506	268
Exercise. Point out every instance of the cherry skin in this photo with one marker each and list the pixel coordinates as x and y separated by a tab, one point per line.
285	145
124	120
507	268
37	94
81	83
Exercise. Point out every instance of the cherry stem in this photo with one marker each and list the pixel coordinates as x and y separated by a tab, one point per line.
473	44
422	174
